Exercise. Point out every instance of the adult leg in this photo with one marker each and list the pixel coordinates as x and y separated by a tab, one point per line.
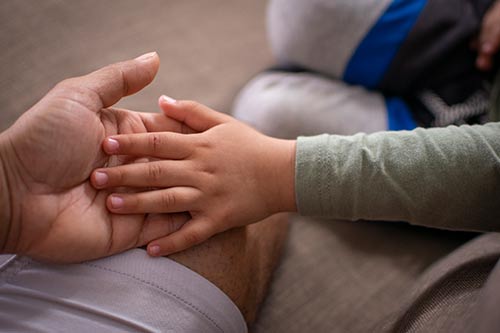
240	261
215	287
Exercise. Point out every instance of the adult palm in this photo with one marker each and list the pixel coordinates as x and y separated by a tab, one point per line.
48	156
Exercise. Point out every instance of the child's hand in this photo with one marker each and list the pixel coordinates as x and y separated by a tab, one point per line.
228	175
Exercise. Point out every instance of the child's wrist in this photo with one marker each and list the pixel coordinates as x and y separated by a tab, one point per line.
284	176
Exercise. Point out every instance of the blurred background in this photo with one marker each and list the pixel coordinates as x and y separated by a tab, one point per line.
208	48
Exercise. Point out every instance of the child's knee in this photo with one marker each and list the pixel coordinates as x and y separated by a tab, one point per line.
287	105
320	34
264	103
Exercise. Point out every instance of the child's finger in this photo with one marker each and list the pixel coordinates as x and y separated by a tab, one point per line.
195	115
161	225
489	39
165	145
192	233
170	200
164	173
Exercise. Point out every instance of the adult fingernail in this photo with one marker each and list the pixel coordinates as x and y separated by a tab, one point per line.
154	250
112	145
116	202
101	178
146	57
167	99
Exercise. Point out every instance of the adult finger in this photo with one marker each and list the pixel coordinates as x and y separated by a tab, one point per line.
164	145
170	200
165	173
195	115
129	121
106	86
192	233
157	122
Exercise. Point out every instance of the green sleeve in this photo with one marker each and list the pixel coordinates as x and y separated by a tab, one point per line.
443	177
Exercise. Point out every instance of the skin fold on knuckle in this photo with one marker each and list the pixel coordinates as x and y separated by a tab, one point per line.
123	176
155	143
174	223
193	237
167	245
168	200
116	177
206	145
155	173
205	168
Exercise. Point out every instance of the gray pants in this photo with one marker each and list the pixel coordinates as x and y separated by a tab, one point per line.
128	292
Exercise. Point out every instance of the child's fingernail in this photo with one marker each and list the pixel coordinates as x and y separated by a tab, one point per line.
116	202
487	48
101	178
154	250
168	100
112	145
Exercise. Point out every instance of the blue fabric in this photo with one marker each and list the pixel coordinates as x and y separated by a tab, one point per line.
376	51
399	115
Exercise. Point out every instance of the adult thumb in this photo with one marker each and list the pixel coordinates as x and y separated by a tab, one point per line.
108	85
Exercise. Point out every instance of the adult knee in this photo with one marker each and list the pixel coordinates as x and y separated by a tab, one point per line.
240	261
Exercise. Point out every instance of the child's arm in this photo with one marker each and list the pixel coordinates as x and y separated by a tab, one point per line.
228	175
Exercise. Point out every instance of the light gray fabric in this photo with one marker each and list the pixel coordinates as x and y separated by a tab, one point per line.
287	105
313	33
441	177
129	292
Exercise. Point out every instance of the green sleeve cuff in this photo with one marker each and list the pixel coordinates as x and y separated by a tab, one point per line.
310	171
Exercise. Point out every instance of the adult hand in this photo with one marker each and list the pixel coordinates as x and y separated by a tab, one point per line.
54	214
488	42
226	176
